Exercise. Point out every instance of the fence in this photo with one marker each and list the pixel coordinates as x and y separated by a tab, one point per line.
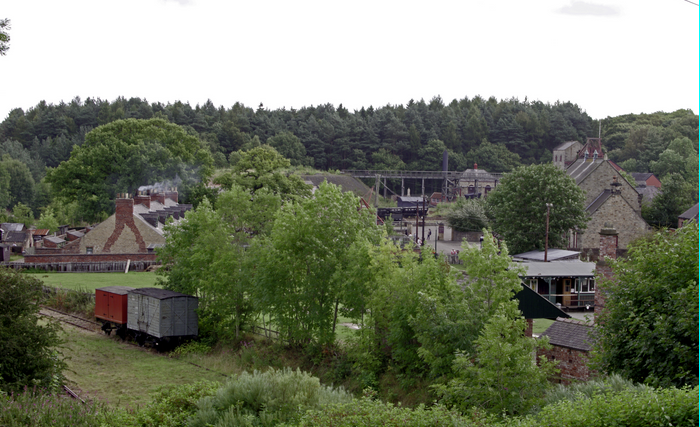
84	267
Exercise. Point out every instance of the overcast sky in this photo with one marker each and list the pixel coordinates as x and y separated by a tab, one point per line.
609	57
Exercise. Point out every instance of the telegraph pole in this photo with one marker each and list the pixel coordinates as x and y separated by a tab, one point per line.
546	235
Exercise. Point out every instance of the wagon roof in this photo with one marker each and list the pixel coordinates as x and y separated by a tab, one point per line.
158	293
119	290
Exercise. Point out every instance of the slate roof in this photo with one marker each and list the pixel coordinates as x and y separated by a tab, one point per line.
691	213
570	333
480	174
581	168
15	237
565	145
117	290
598	202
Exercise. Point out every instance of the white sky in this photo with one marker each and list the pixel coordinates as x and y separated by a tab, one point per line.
609	57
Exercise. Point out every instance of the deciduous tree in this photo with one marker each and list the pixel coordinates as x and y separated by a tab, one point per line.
122	156
518	210
648	330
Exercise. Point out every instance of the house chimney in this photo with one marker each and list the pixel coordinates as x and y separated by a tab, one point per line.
475	168
172	195
158	197
608	249
142	199
125	210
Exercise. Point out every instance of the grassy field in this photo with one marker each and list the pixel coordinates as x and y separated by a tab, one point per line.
92	281
120	373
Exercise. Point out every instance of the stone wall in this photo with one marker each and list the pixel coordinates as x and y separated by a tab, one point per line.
617	212
601	178
471	236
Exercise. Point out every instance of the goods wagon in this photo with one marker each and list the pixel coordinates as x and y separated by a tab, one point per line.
161	314
152	315
111	307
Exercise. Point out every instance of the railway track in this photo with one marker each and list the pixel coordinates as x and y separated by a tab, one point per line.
93	326
70	319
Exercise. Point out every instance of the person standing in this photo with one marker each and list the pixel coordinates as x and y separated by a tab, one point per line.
429	233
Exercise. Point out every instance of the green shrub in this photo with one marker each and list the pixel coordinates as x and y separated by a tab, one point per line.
72	301
192	347
171	407
629	408
586	390
367	412
265	399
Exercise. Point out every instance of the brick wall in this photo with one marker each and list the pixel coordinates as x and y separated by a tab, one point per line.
51	258
573	364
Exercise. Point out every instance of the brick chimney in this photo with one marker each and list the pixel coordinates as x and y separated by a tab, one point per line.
172	195
143	199
475	166
608	249
158	197
125	209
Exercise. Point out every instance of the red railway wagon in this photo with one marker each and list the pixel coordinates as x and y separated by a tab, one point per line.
111	303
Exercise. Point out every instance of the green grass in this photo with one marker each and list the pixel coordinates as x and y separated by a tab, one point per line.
92	281
123	374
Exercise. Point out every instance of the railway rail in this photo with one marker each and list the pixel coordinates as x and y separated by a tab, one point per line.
92	326
71	319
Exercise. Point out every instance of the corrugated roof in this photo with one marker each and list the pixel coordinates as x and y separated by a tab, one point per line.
41	232
553	254
54	239
12	226
559	269
570	333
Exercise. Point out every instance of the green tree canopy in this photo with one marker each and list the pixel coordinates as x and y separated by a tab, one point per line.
29	356
518	210
302	275
468	215
263	166
648	330
121	156
4	36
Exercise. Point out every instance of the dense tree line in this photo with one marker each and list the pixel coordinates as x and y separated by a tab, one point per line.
498	135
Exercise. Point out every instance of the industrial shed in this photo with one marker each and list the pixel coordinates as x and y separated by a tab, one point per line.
161	313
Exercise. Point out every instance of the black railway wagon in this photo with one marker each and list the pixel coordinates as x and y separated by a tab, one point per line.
161	316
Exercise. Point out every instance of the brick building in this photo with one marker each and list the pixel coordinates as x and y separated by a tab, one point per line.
132	233
571	346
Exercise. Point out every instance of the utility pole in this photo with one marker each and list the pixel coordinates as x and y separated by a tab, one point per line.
423	238
546	235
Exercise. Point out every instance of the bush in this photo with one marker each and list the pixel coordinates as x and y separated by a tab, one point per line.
468	215
586	390
72	301
630	408
367	412
28	355
269	398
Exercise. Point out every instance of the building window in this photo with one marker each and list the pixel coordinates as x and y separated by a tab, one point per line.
88	250
533	284
588	285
